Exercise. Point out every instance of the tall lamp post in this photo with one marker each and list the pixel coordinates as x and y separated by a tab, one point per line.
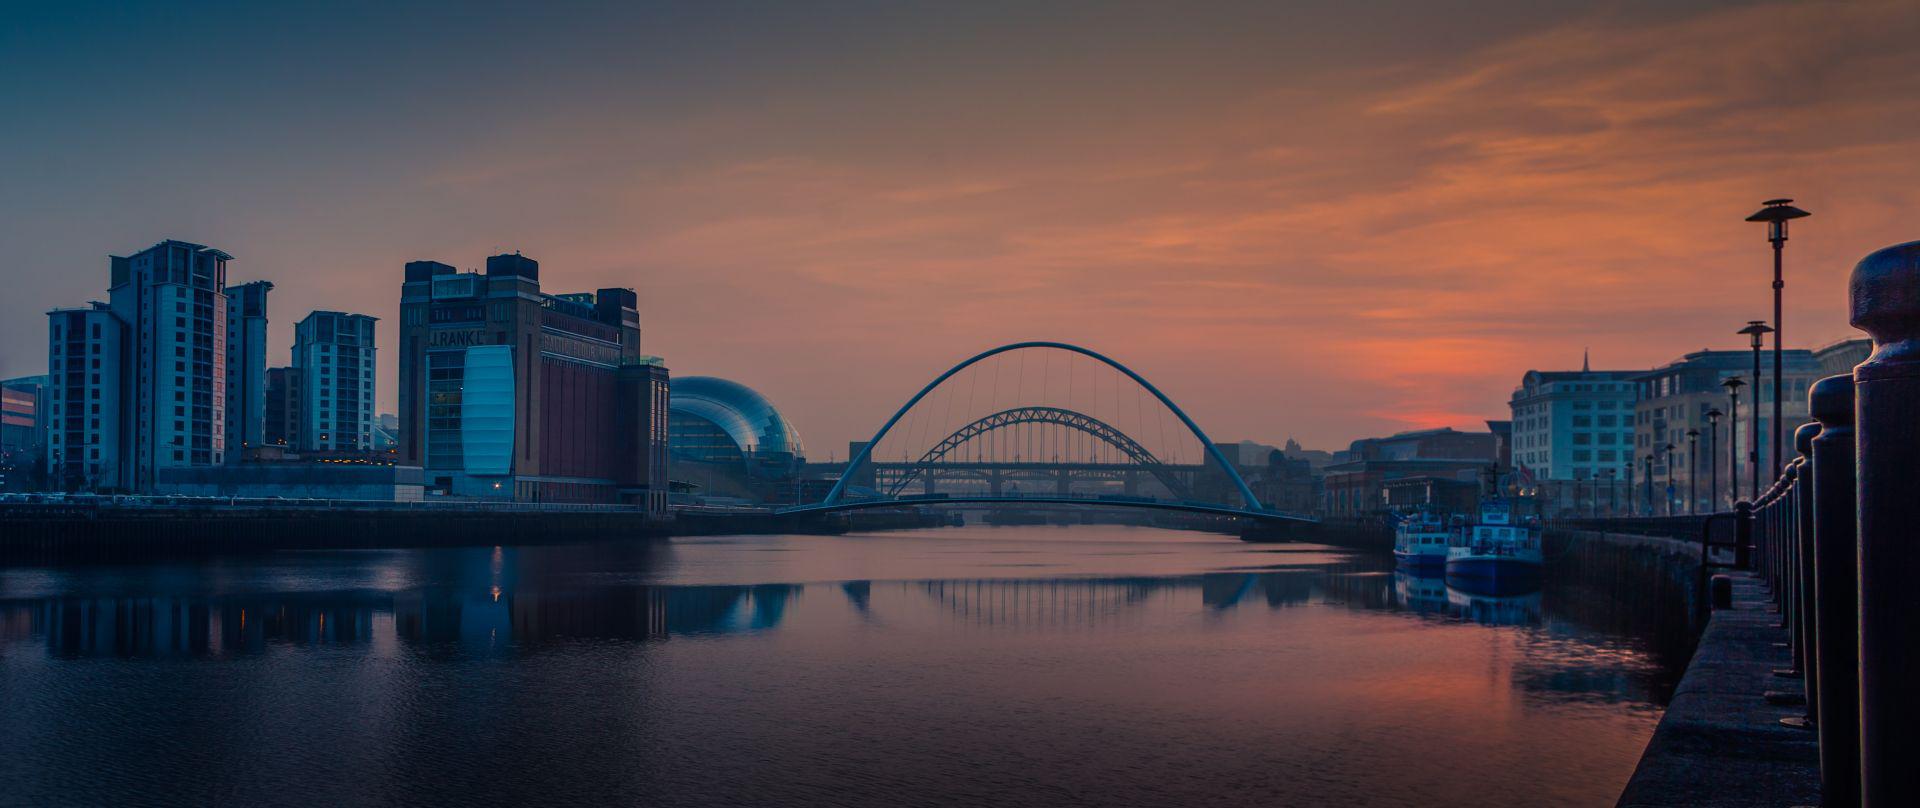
1713	457
1757	332
1776	213
1669	450
1630	510
1733	385
1650	508
1692	471
1613	495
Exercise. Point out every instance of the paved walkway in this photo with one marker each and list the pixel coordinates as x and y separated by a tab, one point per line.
1721	743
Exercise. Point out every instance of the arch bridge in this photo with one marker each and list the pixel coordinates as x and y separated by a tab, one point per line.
1129	459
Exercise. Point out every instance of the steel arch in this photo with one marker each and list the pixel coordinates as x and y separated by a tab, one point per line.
1246	494
1045	415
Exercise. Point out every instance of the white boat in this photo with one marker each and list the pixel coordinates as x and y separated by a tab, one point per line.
1420	541
1494	551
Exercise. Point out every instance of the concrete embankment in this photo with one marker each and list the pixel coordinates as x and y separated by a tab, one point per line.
1721	742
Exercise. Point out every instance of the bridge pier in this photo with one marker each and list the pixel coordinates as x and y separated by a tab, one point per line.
995	481
1062	482
1130	484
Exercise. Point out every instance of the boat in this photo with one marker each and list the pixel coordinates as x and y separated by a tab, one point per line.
1494	552
1420	541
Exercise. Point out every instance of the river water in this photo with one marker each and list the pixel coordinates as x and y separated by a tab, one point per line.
970	666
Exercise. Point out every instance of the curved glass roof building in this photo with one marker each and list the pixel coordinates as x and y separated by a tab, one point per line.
713	420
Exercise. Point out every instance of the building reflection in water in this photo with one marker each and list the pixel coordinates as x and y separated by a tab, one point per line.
163	626
498	608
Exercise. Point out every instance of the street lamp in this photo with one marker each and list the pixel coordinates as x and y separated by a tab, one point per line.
1629	454
1669	450
1693	469
1733	385
1713	458
1613	495
1650	510
1776	213
1756	332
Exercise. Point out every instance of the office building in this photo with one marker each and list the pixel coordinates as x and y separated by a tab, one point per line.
333	356
1677	397
1839	358
509	392
22	432
1359	484
21	411
1573	425
246	366
83	397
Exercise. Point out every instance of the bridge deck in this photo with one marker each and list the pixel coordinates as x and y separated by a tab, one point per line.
1215	509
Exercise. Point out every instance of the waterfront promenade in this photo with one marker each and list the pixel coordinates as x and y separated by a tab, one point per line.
1721	741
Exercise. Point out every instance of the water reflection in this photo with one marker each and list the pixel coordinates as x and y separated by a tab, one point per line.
528	615
1055	674
1431	595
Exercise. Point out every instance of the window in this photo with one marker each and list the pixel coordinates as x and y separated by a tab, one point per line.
1582	438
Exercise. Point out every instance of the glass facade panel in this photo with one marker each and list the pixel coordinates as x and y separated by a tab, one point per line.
446	374
486	410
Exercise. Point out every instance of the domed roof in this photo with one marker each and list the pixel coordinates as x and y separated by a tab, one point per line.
746	416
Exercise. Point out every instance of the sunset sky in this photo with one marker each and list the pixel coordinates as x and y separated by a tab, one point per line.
1325	221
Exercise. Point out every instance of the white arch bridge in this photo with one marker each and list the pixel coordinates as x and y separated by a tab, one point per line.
1117	456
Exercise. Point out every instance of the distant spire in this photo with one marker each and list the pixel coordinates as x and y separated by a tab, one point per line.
1585	365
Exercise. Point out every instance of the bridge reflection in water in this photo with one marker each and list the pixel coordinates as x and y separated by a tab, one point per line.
495	620
605	671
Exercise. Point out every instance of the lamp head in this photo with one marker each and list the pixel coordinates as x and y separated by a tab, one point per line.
1776	213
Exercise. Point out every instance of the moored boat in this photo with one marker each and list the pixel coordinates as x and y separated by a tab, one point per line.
1420	541
1494	552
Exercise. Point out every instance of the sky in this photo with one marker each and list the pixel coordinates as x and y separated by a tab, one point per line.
1323	221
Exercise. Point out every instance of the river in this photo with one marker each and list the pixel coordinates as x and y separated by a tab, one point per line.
966	666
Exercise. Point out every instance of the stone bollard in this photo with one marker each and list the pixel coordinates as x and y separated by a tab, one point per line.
1721	592
1803	548
1836	652
1885	295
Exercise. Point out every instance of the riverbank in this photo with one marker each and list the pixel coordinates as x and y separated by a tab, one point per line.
1721	742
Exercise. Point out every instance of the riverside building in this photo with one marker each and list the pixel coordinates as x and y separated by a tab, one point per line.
1677	397
332	402
141	383
246	366
1573	425
83	399
509	392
